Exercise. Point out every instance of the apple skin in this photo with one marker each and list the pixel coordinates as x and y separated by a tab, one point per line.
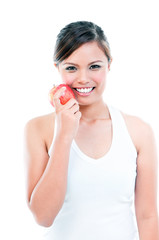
67	95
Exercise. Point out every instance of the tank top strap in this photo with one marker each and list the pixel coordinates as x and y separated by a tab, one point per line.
120	131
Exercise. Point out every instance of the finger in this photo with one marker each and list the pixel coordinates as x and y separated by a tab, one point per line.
74	108
70	103
58	94
78	115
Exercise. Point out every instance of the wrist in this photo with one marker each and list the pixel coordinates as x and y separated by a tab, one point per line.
63	138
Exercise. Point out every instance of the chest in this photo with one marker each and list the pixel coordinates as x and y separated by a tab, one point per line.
111	178
95	140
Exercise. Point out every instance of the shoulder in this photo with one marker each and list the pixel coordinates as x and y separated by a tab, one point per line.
40	127
40	121
140	131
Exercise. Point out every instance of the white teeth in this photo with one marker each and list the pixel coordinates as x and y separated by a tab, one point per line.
84	90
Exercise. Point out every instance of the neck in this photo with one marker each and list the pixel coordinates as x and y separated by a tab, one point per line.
95	111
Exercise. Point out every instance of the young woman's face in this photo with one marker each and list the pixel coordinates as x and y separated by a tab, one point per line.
85	71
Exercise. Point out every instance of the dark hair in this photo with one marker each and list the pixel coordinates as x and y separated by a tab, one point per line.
73	35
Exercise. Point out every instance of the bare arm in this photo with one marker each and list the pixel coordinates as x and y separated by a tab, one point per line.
146	185
47	177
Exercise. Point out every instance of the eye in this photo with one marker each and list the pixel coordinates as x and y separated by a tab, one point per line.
95	66
71	68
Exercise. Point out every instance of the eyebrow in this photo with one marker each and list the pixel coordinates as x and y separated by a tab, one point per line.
70	63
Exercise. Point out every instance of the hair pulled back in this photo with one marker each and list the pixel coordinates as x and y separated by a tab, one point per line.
73	35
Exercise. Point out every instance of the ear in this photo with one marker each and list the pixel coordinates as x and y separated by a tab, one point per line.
109	63
56	66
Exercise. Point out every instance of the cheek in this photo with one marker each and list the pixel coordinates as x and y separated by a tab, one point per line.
67	78
99	76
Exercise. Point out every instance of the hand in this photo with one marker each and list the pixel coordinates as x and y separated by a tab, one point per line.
67	116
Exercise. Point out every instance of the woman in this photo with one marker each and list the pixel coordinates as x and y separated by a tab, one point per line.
91	169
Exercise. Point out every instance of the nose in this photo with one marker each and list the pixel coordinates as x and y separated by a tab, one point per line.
83	77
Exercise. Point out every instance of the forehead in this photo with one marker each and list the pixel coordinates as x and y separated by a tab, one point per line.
88	51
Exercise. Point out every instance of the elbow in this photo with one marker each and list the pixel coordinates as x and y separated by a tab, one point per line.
44	222
41	217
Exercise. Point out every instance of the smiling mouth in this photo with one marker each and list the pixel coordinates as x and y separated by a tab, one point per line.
84	90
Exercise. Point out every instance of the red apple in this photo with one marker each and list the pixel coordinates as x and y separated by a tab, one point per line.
67	95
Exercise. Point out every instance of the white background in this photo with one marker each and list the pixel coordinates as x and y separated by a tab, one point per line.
28	32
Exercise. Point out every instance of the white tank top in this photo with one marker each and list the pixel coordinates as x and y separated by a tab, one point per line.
99	202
